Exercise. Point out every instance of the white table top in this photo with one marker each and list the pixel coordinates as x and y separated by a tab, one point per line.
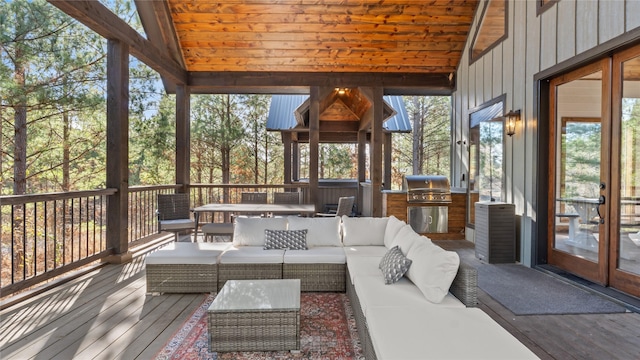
248	295
258	208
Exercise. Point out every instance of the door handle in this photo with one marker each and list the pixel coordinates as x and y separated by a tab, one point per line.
601	201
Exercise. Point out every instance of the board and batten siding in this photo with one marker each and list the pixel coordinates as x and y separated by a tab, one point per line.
535	42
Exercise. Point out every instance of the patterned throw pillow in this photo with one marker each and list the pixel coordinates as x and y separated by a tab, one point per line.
285	239
393	265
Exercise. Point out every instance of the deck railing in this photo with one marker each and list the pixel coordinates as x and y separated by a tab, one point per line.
46	235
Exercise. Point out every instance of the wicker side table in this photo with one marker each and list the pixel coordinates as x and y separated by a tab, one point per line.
255	315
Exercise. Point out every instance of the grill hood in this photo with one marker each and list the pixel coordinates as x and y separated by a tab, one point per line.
427	189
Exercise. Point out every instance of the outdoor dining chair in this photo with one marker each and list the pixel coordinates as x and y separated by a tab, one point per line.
345	207
253	198
286	197
174	213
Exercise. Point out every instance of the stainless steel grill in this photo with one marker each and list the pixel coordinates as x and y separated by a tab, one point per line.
422	189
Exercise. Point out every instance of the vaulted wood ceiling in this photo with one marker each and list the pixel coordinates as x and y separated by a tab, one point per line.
408	36
383	42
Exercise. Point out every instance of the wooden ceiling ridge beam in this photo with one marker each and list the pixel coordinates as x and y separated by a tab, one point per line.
424	83
158	24
104	22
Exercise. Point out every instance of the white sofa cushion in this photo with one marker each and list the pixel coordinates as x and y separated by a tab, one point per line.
431	333
187	253
320	231
393	227
377	251
363	265
372	292
251	255
363	231
406	238
250	231
316	255
433	270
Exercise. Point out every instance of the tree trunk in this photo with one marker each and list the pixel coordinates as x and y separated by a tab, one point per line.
20	134
66	151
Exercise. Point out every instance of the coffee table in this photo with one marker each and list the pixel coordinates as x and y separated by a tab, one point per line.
255	315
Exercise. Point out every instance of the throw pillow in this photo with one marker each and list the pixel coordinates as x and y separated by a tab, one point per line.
320	231
363	231
285	239
393	265
433	270
250	231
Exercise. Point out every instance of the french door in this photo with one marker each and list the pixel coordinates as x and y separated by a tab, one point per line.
594	172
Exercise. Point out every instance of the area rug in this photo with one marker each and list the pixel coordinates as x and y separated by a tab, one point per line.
526	291
327	331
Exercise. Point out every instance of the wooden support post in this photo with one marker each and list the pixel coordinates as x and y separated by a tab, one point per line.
286	140
375	150
118	149
183	137
387	161
295	161
362	167
314	143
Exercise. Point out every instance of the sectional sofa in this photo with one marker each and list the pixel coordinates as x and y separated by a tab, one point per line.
411	298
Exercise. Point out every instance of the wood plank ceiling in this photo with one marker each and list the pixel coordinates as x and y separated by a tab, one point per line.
361	36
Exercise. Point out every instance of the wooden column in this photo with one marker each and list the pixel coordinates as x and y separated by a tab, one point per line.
387	161
314	142
295	161
362	165
286	139
375	150
118	149
183	137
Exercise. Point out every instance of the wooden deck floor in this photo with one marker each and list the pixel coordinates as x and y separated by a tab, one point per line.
107	315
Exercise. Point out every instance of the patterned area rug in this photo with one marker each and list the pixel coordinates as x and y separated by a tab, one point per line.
327	331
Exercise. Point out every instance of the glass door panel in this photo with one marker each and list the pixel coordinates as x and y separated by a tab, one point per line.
579	150
627	233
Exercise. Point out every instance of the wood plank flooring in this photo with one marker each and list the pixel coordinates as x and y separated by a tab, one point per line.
107	315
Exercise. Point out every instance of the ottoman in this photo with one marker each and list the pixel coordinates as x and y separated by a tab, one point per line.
184	268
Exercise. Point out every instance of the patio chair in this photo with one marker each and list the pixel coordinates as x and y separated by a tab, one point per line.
253	198
345	207
174	214
286	197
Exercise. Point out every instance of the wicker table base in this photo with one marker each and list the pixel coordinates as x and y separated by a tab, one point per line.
255	315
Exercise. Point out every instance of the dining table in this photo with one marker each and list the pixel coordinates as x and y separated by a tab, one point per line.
258	209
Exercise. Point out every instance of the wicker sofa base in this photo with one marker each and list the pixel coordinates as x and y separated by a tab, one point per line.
254	331
247	272
182	278
317	277
361	322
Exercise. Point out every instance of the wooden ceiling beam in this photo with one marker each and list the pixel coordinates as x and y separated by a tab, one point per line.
393	83
156	20
104	22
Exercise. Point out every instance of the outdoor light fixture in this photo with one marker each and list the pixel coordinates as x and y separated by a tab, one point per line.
341	91
510	121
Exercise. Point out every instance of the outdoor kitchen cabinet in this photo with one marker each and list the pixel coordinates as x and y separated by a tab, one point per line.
495	235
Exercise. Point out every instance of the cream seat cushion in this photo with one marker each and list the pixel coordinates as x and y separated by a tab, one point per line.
316	255
377	251
372	292
187	253
436	332
251	255
363	265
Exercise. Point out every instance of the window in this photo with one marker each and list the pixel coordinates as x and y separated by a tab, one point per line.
491	30
486	155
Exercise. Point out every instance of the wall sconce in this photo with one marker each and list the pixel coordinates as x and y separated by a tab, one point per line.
341	91
510	121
